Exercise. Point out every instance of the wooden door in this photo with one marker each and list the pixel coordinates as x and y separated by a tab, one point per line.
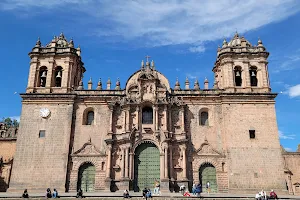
86	177
146	166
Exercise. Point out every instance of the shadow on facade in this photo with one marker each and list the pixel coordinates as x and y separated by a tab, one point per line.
3	185
190	148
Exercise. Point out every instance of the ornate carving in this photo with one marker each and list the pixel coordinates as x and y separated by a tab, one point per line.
207	149
86	150
178	101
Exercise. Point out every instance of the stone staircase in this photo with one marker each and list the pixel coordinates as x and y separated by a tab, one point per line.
140	198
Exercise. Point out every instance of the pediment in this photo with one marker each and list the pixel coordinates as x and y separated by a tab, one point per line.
207	150
88	149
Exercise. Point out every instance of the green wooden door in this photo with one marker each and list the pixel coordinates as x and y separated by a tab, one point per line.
86	177
207	173
146	166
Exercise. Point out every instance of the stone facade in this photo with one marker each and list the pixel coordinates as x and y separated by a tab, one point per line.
64	126
8	137
291	170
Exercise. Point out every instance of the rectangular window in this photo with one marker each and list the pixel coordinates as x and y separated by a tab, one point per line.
42	133
252	134
255	175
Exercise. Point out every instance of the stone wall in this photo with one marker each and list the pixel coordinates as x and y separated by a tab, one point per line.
7	151
292	171
7	148
253	163
42	162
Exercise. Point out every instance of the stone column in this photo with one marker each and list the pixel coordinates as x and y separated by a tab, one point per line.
107	181
154	117
124	122
183	150
230	74
165	118
246	75
122	162
162	166
182	119
126	161
171	161
131	165
259	77
111	120
127	119
166	162
265	69
164	181
139	117
34	72
170	119
50	73
108	162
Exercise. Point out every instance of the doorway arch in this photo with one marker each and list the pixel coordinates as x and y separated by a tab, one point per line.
86	177
207	173
146	166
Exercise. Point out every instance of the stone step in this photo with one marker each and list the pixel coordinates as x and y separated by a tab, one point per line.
140	198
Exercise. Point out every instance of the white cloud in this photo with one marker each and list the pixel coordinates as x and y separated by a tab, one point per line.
290	63
288	149
285	136
15	117
197	49
294	91
168	22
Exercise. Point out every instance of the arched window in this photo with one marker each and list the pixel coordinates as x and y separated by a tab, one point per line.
204	118
253	76
238	76
42	77
58	76
90	118
147	116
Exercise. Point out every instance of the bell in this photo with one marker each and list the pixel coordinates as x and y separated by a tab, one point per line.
44	74
237	73
253	73
58	74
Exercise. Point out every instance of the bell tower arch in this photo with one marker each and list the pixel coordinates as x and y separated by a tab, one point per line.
55	67
242	67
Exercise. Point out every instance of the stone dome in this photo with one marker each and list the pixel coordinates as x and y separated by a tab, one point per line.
237	41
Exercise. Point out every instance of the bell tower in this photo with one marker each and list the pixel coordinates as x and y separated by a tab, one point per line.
56	67
242	67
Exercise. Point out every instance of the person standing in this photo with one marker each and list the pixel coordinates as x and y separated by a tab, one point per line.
156	187
208	187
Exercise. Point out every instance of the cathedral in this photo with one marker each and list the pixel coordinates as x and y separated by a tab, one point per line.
108	138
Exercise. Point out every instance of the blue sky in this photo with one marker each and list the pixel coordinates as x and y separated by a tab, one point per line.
180	36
